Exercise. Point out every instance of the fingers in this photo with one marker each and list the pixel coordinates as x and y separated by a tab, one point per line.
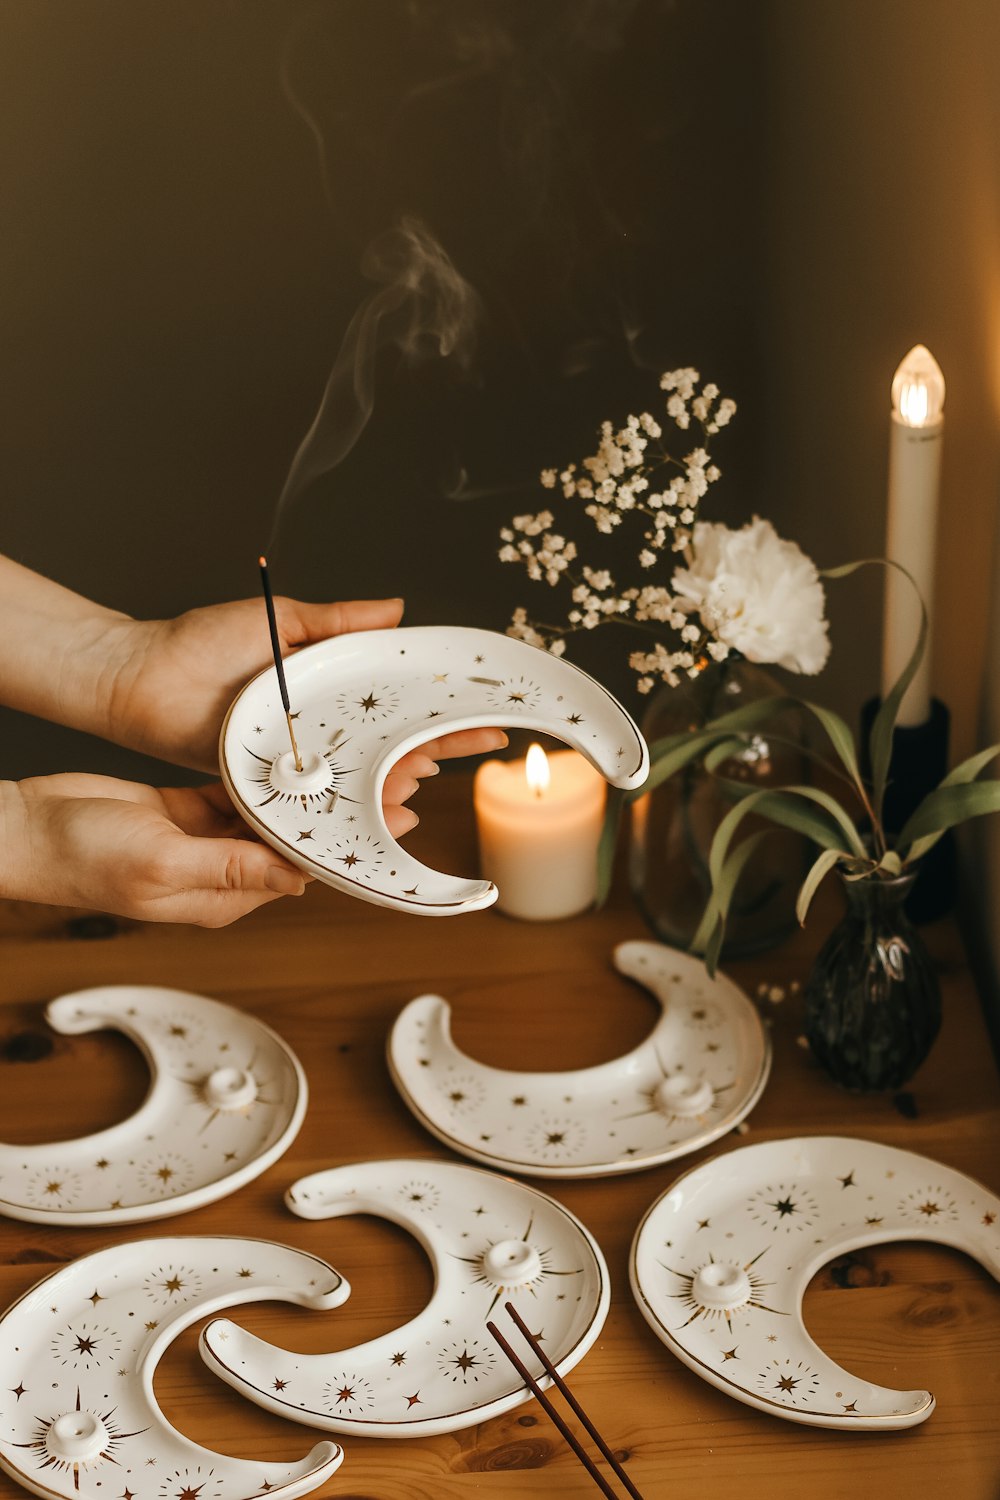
464	742
398	788
301	624
200	865
400	820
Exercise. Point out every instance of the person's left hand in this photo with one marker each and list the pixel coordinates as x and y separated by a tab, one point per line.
175	679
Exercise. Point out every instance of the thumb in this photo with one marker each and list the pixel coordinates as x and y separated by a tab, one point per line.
317	622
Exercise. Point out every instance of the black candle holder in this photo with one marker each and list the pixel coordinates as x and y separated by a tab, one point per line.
919	763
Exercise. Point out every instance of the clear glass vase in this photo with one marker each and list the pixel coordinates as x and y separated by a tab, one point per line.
873	1007
674	824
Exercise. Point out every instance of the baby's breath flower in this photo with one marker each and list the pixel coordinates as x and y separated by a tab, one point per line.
548	479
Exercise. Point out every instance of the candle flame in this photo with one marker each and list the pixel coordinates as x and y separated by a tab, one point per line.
536	769
918	388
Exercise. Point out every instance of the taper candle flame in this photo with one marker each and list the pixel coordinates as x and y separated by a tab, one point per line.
918	389
536	770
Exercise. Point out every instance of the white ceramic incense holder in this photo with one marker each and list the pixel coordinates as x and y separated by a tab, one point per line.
79	1351
362	701
721	1261
226	1099
489	1240
698	1073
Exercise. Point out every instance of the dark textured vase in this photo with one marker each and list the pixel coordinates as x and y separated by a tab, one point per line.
673	825
873	1007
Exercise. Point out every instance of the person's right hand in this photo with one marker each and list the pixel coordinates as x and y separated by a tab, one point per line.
168	855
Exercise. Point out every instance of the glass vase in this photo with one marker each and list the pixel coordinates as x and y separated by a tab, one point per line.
674	824
873	1007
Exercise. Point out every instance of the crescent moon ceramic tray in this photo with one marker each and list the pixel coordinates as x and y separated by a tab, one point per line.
362	701
698	1073
720	1263
79	1350
489	1240
226	1099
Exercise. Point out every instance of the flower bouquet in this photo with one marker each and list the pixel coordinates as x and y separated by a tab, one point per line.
872	1003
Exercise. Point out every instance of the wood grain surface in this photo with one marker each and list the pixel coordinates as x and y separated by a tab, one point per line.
330	974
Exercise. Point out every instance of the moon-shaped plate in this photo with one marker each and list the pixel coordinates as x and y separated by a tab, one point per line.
720	1263
698	1073
359	703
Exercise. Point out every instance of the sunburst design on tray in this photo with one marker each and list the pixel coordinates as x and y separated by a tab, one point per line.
164	1175
368	706
171	1286
785	1207
348	1395
792	1382
201	1096
53	1187
422	1197
324	797
43	1443
517	694
357	856
85	1346
930	1205
556	1140
688	1298
466	1360
191	1484
529	1266
464	1093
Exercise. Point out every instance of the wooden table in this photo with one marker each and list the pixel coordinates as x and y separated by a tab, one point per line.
331	974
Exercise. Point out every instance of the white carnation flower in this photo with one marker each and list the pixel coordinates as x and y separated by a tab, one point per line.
757	594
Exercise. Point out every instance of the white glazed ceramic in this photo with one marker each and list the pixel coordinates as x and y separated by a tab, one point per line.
362	701
78	1352
226	1099
698	1073
720	1263
489	1240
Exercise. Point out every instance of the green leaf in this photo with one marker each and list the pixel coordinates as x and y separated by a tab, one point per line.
966	771
819	870
608	842
711	929
840	738
946	807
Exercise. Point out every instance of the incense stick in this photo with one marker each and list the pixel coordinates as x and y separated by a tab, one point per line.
561	1385
272	625
554	1415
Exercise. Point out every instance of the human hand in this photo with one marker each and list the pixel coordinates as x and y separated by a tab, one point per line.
175	679
170	855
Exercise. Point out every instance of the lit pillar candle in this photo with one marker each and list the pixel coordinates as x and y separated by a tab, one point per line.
539	824
911	533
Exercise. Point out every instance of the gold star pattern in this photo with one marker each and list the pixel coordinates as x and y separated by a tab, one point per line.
930	1209
18	1390
305	833
786	1383
413	1400
989	1218
848	1181
95	1297
398	1359
730	1353
279	1385
244	1272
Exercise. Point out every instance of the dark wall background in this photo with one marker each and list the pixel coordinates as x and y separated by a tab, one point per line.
189	191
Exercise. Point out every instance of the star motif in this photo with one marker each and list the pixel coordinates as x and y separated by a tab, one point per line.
398	1359
989	1218
126	1494
18	1390
730	1353
84	1346
874	1220
853	1406
456	1096
95	1297
786	1383
165	1173
515	697
574	718
783	1206
555	1138
479	660
703	1223
369	704
930	1209
116	1204
848	1181
279	1385
100	1165
306	833
413	1400
350	860
178	1031
465	1361
172	1284
53	1187
519	1100
190	1491
772	1338
151	1325
244	1272
440	676
346	1393
479	1210
258	729
230	1156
